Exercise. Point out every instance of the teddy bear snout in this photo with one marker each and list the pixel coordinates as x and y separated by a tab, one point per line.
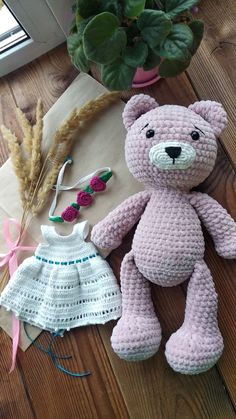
173	152
172	155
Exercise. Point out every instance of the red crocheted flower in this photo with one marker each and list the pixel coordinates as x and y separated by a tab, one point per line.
84	199
70	214
97	184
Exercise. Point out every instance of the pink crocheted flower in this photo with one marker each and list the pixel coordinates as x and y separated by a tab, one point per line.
70	214
84	199
97	184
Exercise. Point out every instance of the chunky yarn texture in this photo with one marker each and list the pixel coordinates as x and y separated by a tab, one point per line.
65	284
170	149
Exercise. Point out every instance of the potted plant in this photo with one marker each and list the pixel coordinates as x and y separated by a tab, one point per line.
127	37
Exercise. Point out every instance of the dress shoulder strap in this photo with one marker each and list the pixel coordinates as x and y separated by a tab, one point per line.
48	233
82	229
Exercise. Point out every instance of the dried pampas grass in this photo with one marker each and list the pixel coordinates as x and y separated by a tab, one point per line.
37	177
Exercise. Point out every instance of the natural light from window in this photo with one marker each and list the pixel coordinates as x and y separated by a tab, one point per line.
11	33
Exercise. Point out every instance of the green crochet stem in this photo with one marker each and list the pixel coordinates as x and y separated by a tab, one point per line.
104	177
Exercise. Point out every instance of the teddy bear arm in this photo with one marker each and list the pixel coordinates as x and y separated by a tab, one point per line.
109	232
218	222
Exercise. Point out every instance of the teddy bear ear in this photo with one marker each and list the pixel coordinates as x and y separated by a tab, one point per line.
137	106
213	113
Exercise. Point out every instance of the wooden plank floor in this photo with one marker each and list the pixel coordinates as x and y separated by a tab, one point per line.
150	389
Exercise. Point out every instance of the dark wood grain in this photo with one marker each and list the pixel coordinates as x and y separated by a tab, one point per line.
14	401
47	77
212	71
117	389
56	395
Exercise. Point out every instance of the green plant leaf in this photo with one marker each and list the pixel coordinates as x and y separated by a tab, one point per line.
178	44
82	25
88	8
149	4
132	31
79	59
117	75
76	52
154	26
78	18
197	28
175	7
112	6
73	27
169	68
135	56
103	38
73	42
133	8
152	60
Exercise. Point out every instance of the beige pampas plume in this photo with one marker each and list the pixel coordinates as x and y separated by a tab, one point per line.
36	153
36	178
27	131
17	161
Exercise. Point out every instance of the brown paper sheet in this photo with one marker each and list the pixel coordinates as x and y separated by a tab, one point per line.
100	144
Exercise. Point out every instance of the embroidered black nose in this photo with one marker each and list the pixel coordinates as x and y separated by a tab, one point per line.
173	152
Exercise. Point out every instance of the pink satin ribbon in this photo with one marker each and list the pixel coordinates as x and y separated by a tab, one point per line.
10	258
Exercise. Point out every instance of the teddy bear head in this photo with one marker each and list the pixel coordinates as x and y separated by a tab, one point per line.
171	146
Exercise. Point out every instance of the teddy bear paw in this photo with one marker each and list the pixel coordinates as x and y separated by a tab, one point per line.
227	249
136	338
190	352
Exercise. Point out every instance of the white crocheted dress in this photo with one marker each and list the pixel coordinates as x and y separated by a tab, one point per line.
65	284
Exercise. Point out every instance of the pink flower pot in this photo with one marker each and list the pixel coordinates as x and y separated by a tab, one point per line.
145	78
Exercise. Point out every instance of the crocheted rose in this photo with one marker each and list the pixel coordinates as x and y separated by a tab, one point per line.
84	199
70	214
97	184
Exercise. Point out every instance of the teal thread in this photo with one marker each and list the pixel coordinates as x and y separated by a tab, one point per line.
54	357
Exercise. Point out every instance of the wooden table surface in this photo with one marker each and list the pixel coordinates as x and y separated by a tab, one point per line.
150	389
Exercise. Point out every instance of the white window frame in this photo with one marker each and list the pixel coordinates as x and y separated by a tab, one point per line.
46	22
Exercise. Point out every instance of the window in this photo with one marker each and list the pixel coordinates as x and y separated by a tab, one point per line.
31	28
11	32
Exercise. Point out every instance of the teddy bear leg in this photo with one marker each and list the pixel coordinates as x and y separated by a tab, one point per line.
137	334
198	344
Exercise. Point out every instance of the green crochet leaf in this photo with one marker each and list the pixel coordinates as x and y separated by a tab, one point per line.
88	189
106	176
74	205
56	219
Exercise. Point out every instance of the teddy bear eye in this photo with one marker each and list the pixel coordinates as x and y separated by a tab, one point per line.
150	133
195	135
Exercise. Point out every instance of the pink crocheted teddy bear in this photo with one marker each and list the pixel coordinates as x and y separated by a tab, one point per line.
170	149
